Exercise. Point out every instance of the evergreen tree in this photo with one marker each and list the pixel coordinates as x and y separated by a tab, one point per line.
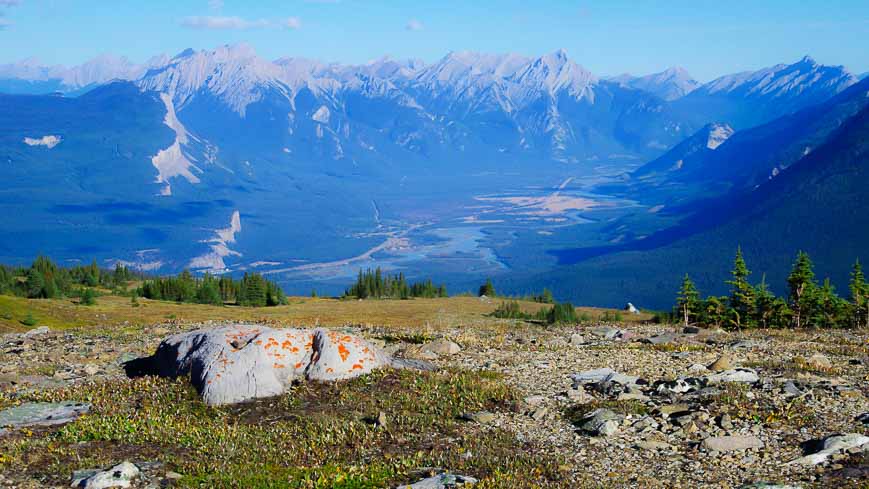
802	286
88	298
742	294
34	284
765	305
688	300
487	289
859	297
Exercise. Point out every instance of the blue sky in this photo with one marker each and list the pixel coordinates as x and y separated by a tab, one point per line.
708	38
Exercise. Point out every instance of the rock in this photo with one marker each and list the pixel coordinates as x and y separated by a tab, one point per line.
631	308
678	386
578	395
652	445
42	413
745	375
731	443
173	476
539	413
607	332
670	409
790	389
724	362
576	339
118	476
698	368
834	444
482	417
241	362
534	400
441	347
37	332
381	420
442	481
767	485
863	418
725	422
662	339
819	360
91	369
690	330
600	422
602	375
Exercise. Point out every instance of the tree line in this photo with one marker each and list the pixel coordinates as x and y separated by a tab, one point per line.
807	304
252	290
374	284
44	279
560	312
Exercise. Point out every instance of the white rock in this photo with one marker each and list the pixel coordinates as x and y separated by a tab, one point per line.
118	476
746	375
241	362
834	444
441	347
442	481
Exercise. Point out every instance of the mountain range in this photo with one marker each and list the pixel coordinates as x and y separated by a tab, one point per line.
221	160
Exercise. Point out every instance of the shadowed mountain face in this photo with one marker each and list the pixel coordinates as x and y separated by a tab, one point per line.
223	161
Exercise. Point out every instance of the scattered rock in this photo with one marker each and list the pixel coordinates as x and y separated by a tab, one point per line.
173	476
698	368
819	360
608	332
442	481
576	339
767	485
36	332
441	347
603	375
832	445
42	414
652	445
731	443
482	417
120	475
724	362
241	362
725	422
745	375
662	339
600	422
690	330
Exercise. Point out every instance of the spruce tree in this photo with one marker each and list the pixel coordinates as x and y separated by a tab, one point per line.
801	283
742	293
688	300
859	297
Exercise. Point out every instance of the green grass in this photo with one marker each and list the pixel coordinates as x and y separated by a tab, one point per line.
316	436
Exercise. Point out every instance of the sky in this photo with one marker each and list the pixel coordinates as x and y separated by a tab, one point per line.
608	37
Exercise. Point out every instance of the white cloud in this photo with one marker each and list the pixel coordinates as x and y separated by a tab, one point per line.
216	5
4	23
222	23
9	3
414	25
292	23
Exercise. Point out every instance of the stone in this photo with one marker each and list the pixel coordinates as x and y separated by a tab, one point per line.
834	444
607	332
725	422
767	485
441	347
539	413
240	362
603	375
172	476
42	414
819	360
600	422
731	443
631	308
863	418
690	330
662	339
790	389
534	400
120	475
481	417
745	375
698	368
37	332
724	362
652	445
670	409
91	369
578	395
442	481
576	339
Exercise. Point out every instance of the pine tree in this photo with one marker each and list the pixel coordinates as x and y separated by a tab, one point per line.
801	283
88	298
765	305
742	294
34	284
688	300
859	297
487	289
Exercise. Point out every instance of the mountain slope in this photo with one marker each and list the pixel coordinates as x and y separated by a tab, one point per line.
747	99
670	84
818	205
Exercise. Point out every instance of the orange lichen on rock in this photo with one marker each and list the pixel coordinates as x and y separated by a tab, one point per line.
343	351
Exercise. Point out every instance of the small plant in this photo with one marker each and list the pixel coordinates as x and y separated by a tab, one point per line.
509	310
29	320
134	299
611	317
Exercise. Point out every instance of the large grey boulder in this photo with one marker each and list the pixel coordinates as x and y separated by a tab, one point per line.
834	444
241	362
